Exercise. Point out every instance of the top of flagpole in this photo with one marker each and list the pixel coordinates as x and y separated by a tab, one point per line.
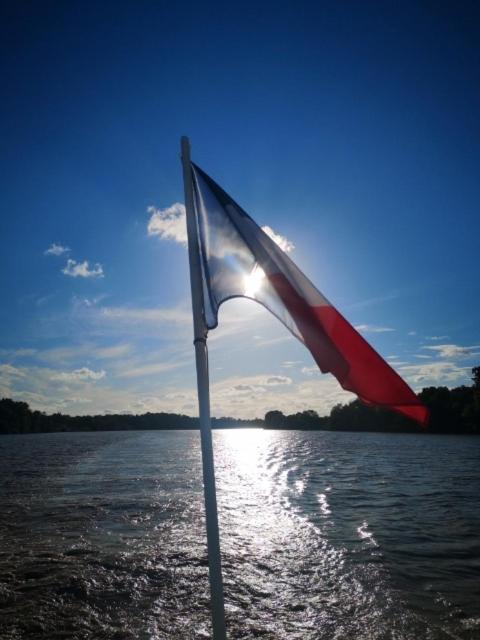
199	324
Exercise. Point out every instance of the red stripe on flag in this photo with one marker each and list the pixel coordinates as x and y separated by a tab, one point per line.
339	349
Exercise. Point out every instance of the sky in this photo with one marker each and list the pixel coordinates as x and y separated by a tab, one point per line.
351	129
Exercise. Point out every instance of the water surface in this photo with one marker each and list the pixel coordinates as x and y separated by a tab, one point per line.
324	535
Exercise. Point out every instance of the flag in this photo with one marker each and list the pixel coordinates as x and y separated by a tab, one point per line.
238	259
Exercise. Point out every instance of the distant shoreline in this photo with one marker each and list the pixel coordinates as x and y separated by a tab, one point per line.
452	411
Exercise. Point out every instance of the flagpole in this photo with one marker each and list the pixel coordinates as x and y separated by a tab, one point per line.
201	359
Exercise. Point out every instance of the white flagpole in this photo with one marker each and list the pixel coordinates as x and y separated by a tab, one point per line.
201	358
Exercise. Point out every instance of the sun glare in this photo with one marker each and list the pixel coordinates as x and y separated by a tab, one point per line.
245	448
253	282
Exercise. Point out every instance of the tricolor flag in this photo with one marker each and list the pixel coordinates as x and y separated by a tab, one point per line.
238	259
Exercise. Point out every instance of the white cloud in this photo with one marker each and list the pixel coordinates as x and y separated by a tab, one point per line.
290	364
284	244
250	397
310	371
453	351
82	270
169	223
56	250
7	371
371	328
236	390
435	373
80	303
436	337
247	396
412	333
79	375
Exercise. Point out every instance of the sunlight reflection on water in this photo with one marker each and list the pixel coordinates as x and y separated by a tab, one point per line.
323	536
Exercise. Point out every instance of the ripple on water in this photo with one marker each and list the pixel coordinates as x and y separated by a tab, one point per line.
323	536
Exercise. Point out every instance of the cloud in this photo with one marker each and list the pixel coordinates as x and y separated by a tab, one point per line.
7	371
284	244
116	351
79	375
82	270
310	371
453	351
434	373
276	380
393	295
318	394
50	390
18	353
412	333
248	388
149	369
436	337
268	342
371	328
146	315
290	364
169	223
56	250
88	303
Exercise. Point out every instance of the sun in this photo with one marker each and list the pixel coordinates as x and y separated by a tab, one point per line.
253	281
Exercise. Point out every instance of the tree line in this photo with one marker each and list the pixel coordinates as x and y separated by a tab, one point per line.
451	411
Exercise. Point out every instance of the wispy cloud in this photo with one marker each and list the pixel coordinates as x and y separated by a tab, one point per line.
361	304
454	351
169	223
56	250
436	337
149	369
140	315
18	353
82	269
113	352
371	328
290	364
268	342
79	375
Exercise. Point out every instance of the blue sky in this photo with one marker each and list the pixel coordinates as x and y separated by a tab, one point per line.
351	129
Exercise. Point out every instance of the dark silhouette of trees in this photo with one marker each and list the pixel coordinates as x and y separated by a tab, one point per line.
451	411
